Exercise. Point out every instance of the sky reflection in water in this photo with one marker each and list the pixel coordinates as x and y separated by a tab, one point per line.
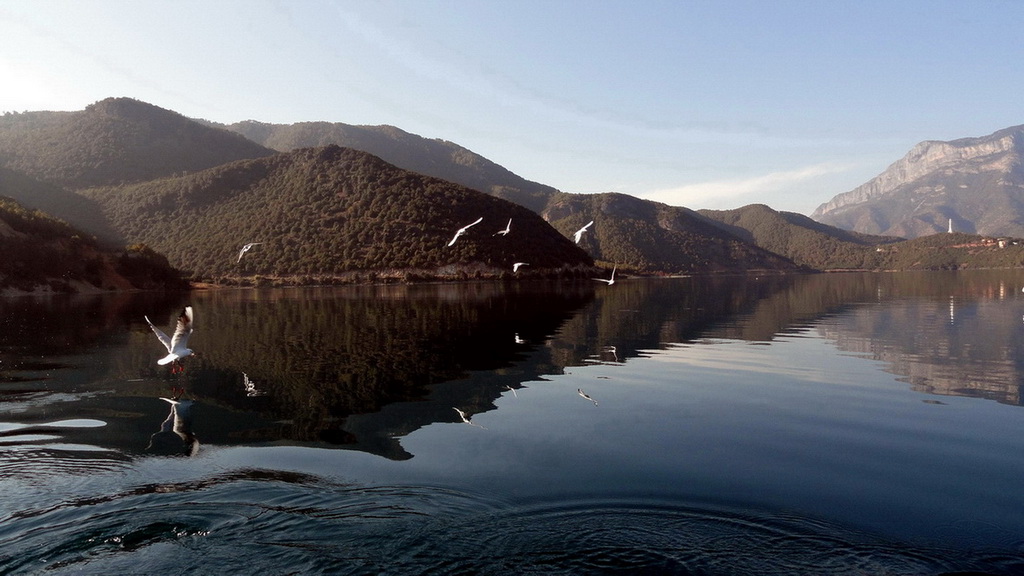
881	406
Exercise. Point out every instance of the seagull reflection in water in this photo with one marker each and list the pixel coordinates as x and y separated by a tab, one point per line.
584	395
250	387
611	350
466	418
175	436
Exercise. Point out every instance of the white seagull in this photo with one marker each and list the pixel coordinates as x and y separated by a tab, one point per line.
462	230
177	346
612	281
579	233
246	248
508	228
466	418
584	394
515	267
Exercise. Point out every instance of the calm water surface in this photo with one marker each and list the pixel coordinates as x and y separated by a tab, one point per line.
826	424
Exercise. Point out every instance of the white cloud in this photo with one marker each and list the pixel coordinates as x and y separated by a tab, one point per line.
720	192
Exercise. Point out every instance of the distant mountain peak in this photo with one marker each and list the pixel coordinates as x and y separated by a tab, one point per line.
976	182
113	141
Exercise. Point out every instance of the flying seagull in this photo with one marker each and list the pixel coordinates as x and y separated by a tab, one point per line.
584	394
246	248
515	267
612	281
462	230
466	418
177	346
579	233
508	228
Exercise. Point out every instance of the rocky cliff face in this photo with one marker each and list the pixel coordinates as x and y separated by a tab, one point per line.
976	182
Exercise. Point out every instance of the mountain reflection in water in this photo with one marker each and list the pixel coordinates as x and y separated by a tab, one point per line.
362	367
757	425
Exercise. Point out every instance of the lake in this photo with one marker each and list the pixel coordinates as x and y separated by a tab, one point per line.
819	424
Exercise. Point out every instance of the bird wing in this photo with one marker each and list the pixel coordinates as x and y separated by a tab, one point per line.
246	248
182	330
456	237
160	334
475	222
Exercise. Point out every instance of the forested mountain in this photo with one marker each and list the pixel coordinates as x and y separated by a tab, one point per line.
129	172
42	253
433	157
639	235
801	239
117	140
978	183
651	237
956	251
329	211
59	203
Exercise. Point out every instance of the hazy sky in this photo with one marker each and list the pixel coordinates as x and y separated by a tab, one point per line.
711	104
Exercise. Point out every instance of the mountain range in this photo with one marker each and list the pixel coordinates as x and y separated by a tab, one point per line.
329	199
975	184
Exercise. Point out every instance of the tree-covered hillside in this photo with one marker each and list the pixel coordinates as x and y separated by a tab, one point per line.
60	203
433	157
650	237
113	141
42	253
328	211
801	239
955	251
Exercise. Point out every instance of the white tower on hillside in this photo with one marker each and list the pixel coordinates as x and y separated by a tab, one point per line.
950	231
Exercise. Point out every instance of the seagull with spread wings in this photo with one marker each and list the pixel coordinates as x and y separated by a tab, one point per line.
508	228
246	248
463	230
612	281
177	345
579	233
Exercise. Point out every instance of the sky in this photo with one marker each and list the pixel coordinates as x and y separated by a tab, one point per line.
703	104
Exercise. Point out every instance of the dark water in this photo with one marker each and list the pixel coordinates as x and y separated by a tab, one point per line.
827	424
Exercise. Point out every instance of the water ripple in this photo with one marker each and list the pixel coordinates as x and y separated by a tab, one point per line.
609	537
252	520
